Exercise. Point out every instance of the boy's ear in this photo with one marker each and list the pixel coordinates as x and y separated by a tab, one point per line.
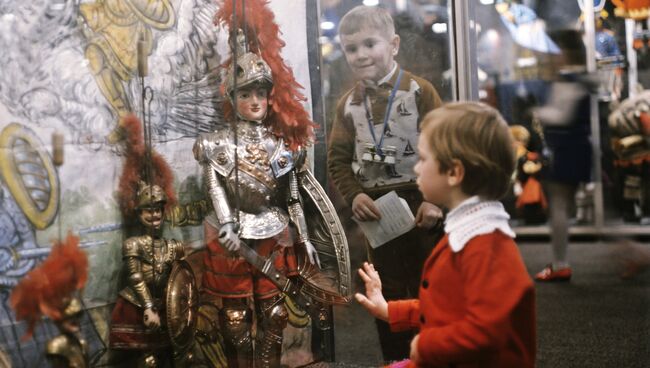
456	173
395	44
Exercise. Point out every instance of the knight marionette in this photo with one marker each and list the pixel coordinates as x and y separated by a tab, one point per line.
261	191
52	289
140	321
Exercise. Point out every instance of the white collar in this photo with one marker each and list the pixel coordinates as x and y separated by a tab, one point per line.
474	217
389	75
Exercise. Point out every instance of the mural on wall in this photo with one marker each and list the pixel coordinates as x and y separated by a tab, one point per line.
71	67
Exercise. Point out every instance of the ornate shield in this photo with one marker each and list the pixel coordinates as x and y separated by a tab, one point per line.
182	303
28	171
332	283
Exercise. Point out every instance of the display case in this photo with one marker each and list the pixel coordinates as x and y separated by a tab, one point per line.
76	70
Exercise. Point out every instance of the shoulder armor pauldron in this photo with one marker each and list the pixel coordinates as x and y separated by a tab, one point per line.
176	248
283	160
300	157
132	247
216	150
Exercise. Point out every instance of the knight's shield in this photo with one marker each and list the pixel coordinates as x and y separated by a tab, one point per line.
29	173
182	301
332	283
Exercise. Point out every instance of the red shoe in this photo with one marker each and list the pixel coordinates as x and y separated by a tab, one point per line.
549	274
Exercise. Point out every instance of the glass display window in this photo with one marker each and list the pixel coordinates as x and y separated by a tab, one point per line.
529	54
385	64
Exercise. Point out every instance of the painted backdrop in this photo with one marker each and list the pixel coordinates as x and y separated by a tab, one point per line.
70	66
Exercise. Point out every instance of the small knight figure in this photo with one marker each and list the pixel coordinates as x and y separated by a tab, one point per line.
138	322
251	170
68	350
51	289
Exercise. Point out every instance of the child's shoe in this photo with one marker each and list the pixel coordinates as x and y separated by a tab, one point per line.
550	274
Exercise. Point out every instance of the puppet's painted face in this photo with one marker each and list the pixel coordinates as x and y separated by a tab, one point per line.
252	103
151	216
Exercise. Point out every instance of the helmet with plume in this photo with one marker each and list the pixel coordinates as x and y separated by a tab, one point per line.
287	117
250	68
50	289
150	195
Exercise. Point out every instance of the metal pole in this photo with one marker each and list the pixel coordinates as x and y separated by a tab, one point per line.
312	9
462	38
632	71
323	342
590	39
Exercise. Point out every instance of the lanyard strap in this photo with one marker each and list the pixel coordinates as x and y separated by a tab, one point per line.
369	118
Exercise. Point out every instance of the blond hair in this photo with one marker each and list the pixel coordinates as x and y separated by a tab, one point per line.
476	135
363	17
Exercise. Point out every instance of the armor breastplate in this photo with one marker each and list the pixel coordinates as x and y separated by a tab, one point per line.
263	161
156	260
401	133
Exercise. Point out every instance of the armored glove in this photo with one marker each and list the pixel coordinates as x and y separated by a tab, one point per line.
312	253
228	237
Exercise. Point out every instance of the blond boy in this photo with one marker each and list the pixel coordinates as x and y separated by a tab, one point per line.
371	152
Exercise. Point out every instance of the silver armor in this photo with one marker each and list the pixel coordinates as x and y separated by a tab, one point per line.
262	179
251	68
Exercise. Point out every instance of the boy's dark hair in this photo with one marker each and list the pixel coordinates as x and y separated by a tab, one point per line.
478	136
363	16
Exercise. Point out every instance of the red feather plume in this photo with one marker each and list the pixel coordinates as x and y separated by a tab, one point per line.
134	169
47	289
287	116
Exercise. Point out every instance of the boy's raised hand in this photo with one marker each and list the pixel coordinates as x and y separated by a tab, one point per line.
373	301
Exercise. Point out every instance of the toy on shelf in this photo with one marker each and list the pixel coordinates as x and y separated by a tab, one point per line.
531	201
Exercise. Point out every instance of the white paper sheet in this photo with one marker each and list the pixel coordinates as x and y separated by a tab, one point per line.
396	219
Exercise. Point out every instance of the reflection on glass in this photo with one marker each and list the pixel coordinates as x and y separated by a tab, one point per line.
424	44
385	65
519	60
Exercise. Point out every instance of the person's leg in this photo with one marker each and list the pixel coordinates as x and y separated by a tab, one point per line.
560	205
560	202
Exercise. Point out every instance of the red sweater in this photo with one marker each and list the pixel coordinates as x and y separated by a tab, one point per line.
476	308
